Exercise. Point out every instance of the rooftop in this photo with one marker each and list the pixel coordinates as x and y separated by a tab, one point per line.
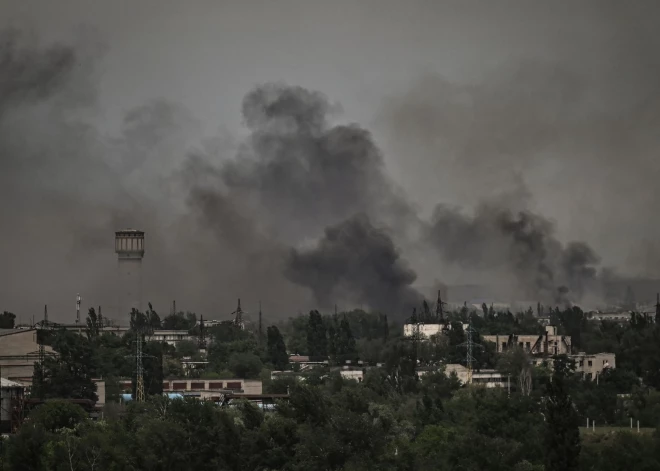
7	383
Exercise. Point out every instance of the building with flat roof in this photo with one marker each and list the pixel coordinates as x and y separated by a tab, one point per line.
547	344
19	350
486	378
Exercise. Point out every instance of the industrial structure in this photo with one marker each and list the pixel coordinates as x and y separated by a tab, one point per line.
11	405
129	247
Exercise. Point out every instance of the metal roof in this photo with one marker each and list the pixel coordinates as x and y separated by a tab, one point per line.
7	383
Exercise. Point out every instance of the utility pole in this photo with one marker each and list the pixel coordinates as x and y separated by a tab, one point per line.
78	299
202	334
260	325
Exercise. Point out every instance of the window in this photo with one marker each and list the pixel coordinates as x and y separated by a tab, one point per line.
179	386
503	345
234	385
581	362
215	385
590	363
528	345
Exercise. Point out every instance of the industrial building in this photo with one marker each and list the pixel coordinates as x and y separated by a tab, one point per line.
11	405
426	331
548	343
207	389
486	378
19	350
590	366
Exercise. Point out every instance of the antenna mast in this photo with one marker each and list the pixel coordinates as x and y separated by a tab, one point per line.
78	299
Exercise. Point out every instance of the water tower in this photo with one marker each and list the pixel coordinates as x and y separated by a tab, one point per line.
129	246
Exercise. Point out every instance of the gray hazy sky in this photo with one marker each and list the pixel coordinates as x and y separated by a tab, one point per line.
392	65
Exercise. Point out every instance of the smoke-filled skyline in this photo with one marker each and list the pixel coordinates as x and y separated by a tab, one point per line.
223	211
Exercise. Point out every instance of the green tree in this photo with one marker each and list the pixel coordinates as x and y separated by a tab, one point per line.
346	349
69	374
245	365
7	320
317	341
56	414
186	348
277	355
93	325
562	437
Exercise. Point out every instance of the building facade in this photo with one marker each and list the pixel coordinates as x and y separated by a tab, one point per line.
19	351
485	378
549	343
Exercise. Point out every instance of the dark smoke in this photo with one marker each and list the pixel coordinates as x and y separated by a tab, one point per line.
359	263
519	244
29	74
301	172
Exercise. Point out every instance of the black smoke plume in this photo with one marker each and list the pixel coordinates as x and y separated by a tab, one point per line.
301	172
519	244
357	262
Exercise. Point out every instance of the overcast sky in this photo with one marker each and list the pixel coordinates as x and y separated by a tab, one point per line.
391	65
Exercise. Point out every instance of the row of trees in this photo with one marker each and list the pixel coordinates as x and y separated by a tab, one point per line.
393	420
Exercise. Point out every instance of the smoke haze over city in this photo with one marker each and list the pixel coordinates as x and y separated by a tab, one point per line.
311	155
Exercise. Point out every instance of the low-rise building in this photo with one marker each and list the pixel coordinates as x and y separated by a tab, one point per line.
486	378
589	365
547	344
11	395
204	388
19	350
426	331
619	317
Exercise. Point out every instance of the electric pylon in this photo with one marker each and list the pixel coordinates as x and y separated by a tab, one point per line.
469	346
439	309
238	315
202	334
139	377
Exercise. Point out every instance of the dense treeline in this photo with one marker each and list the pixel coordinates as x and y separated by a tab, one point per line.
394	419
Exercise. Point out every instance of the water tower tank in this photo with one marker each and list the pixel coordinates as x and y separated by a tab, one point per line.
129	244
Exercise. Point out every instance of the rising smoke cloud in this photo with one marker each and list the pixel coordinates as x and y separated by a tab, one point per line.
520	245
358	263
302	173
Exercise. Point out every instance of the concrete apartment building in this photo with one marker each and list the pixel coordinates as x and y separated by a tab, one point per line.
548	343
486	378
426	331
589	365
